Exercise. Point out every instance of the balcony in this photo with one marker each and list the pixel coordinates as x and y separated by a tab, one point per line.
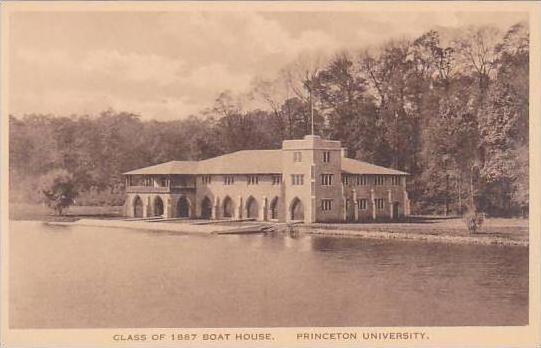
159	189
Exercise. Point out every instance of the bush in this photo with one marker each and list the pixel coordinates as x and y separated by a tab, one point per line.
474	221
58	189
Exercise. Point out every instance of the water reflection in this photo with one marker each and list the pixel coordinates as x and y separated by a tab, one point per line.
98	277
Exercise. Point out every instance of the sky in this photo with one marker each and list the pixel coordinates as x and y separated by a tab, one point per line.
169	65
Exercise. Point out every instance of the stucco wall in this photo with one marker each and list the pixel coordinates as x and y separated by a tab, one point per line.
388	192
311	193
239	192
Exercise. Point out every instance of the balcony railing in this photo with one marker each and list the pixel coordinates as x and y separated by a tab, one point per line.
159	189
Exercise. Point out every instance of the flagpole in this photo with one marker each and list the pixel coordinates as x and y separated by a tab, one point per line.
311	108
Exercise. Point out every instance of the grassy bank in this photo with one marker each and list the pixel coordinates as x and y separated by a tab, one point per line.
20	211
438	229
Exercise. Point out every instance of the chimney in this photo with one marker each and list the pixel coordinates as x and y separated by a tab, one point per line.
343	152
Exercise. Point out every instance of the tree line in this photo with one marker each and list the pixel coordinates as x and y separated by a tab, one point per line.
451	109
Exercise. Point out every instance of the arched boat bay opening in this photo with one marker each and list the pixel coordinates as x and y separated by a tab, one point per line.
251	208
297	210
183	207
206	208
228	207
158	206
138	207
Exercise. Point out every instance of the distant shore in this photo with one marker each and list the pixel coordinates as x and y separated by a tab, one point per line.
25	211
495	231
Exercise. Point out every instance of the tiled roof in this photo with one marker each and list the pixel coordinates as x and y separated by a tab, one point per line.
172	167
352	166
252	162
244	162
240	162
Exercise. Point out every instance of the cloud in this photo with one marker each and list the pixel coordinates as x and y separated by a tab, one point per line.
134	66
167	65
218	77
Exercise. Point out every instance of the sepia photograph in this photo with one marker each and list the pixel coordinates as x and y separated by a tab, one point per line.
250	165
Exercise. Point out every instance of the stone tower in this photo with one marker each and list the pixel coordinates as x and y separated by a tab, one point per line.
312	176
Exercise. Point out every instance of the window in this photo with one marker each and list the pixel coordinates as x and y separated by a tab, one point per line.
326	179
395	180
326	204
345	179
326	156
297	179
379	180
297	156
205	179
229	180
276	179
362	180
148	181
253	180
362	203
380	203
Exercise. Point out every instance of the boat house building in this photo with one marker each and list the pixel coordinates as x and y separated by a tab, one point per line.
307	180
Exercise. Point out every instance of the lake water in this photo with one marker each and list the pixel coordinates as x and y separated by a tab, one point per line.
83	277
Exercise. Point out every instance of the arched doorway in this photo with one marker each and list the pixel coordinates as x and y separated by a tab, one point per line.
297	209
183	207
158	206
228	207
274	209
206	208
251	208
138	207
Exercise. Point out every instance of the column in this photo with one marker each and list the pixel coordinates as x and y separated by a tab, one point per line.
168	209
239	209
147	210
355	206
344	208
373	204
406	204
215	208
263	209
391	210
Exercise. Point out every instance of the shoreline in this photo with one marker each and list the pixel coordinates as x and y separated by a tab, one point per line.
416	237
256	227
433	229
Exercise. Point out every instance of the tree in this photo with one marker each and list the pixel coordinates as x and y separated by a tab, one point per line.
449	107
58	189
350	112
476	49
